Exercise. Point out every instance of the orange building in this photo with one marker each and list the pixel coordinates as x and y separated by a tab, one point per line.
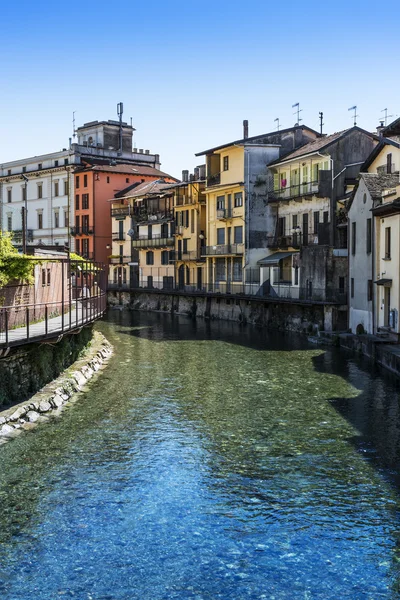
94	186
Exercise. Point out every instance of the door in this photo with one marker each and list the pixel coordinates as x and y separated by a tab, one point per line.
305	229
164	230
229	207
179	249
387	306
199	278
181	277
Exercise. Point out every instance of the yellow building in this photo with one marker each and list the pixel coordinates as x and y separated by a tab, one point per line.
189	203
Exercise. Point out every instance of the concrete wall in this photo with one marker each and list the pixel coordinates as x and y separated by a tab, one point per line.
284	317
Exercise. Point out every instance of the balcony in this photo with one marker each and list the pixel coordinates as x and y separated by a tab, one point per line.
85	230
213	180
120	260
192	255
143	215
224	213
179	230
118	237
293	240
156	241
295	191
222	250
123	211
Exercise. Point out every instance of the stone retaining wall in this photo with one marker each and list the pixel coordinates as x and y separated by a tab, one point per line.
53	397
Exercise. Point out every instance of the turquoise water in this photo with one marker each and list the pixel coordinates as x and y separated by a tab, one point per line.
208	461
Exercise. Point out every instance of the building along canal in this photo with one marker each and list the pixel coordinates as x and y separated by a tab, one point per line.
208	461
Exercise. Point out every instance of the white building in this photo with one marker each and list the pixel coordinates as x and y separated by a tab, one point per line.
44	184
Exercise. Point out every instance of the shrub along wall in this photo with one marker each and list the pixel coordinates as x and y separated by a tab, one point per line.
27	370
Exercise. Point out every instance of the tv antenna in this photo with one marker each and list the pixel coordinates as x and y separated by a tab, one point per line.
298	111
73	125
355	114
385	110
321	121
277	123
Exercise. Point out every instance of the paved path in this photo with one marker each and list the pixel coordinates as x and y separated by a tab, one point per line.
73	319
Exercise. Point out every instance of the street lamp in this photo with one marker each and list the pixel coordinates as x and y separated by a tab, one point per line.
24	212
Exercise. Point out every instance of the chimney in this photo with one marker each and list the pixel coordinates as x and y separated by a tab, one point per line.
245	129
157	160
135	150
185	175
379	130
140	150
196	172
202	172
147	151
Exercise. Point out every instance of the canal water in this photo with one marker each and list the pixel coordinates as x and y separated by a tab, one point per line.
208	461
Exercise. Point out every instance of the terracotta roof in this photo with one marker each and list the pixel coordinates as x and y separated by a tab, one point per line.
320	144
147	188
132	170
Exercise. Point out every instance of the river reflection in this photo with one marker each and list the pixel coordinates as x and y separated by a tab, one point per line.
208	461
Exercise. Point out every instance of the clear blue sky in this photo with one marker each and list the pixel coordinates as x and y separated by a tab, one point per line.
190	72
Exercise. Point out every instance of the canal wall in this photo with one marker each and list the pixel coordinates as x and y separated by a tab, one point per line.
53	398
26	369
302	318
384	354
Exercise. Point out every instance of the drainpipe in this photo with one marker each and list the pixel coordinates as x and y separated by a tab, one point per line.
51	207
374	328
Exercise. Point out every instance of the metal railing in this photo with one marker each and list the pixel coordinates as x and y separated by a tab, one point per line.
115	260
292	191
156	241
224	213
121	211
222	249
118	237
190	255
89	230
213	180
292	240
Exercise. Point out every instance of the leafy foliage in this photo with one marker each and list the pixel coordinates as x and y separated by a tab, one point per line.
14	266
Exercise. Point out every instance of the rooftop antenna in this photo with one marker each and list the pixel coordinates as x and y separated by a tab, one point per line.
120	111
386	115
73	125
298	111
355	114
131	121
277	122
321	121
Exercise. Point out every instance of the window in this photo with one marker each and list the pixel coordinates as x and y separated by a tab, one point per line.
150	258
187	276
24	169
85	247
108	179
226	163
43	277
9	195
221	236
66	218
237	270
220	202
220	269
296	275
40	190
40	220
389	163
186	216
316	221
185	246
387	243
165	257
77	202
65	161
85	201
294	221
238	234
56	163
85	181
281	226
192	221
341	284
39	166
238	199
121	232
369	235
65	187
85	224
9	172
77	246
326	216
48	276
24	193
369	290
77	223
77	182
127	180
353	237
9	223
56	188
150	281
56	219
315	173
352	287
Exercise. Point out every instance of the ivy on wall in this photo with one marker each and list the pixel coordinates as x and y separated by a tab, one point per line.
14	266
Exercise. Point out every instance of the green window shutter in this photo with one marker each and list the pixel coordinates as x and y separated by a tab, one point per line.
276	181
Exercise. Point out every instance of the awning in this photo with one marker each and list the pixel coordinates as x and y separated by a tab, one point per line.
274	259
386	282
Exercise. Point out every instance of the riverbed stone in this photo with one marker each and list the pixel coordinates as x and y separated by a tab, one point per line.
6	429
20	412
32	416
57	401
79	378
44	406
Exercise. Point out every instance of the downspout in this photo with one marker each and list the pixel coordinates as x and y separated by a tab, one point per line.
373	272
51	207
94	222
247	206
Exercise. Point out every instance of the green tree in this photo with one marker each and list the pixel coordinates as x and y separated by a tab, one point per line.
14	266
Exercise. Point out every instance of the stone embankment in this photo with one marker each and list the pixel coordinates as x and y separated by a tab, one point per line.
53	398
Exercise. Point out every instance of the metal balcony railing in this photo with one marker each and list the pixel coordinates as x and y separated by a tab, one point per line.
294	191
190	255
292	240
222	249
119	260
84	230
121	212
118	236
156	241
224	213
213	180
